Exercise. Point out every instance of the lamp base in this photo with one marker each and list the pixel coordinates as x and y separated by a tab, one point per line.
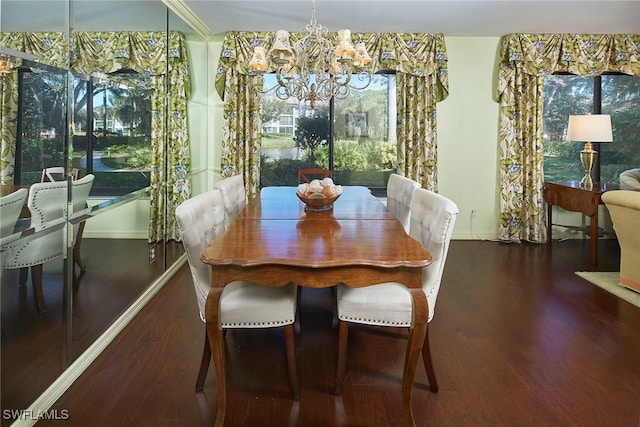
587	182
588	157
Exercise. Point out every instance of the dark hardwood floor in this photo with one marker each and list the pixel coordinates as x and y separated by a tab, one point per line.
517	340
34	348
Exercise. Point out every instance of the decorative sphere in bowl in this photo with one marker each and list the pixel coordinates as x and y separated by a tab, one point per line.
318	204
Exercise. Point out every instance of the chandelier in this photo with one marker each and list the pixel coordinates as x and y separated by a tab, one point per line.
313	70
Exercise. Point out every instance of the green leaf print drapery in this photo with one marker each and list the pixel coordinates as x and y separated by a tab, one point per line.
525	59
8	126
149	54
419	60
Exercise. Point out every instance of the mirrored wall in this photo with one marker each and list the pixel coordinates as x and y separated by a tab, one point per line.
82	91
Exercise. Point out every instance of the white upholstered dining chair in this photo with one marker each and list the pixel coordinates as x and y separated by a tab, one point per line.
389	304
234	196
47	203
400	191
10	208
242	304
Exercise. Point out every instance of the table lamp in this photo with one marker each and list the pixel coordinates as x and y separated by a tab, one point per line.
589	128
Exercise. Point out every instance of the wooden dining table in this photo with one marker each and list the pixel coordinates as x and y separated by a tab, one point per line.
274	241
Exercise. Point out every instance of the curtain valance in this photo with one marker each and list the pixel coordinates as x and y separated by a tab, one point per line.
413	54
106	52
581	54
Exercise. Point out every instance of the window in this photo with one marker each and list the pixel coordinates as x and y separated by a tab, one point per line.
110	132
355	137
614	94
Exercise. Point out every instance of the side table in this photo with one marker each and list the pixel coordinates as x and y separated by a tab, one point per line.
571	196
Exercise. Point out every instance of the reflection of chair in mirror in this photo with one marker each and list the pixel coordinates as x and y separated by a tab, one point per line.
389	304
10	209
59	172
49	175
309	174
242	304
47	203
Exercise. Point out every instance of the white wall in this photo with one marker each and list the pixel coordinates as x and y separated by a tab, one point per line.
198	113
468	136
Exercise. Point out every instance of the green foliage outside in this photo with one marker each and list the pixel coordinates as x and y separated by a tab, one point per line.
368	163
125	157
41	153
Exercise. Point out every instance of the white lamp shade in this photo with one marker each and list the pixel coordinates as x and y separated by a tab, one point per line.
590	128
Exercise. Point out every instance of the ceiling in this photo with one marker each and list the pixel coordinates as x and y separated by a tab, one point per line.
476	18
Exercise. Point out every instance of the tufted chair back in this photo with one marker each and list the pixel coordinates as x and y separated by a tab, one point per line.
201	219
400	191
432	219
234	196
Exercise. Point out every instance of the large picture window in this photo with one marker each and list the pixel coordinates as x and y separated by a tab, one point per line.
355	136
614	94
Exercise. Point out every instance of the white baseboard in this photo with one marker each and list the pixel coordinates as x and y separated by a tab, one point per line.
111	234
67	378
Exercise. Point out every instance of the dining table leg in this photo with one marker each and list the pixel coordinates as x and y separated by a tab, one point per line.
417	335
216	343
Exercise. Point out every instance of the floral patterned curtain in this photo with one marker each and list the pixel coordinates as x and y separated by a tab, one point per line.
145	53
525	59
419	60
8	126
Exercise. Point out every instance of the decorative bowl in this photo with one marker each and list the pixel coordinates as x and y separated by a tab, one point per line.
318	204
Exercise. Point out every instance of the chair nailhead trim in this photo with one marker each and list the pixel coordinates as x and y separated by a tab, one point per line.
360	319
258	324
